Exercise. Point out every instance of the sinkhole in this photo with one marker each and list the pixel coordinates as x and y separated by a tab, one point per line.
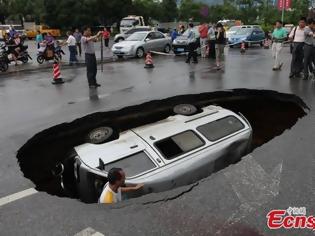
269	113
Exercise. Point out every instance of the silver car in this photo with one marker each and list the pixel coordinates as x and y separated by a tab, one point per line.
123	36
173	152
139	43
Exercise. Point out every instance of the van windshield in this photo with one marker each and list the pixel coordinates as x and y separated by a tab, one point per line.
129	22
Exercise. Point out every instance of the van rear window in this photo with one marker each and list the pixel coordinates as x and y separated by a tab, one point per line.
179	144
133	165
221	128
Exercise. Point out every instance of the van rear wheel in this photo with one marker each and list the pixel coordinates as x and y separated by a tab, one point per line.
100	135
185	109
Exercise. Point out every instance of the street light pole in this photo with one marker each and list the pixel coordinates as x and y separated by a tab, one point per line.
282	17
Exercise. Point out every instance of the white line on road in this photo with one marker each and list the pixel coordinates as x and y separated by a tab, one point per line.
17	196
89	232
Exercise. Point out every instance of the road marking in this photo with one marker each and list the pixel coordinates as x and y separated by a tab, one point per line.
17	196
89	232
253	186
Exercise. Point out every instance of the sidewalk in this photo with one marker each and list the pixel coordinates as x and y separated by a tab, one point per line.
33	65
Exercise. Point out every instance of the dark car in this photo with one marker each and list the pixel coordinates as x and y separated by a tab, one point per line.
180	44
249	36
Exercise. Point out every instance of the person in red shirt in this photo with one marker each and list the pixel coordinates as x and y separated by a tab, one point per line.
203	30
106	36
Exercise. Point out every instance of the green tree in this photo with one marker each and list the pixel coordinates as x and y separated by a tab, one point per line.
4	6
169	10
190	9
148	9
299	8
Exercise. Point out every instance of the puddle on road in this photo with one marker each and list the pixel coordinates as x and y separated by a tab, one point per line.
270	114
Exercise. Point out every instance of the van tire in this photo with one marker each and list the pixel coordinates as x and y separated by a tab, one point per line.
185	109
100	135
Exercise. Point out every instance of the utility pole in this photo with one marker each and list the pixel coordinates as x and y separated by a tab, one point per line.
282	17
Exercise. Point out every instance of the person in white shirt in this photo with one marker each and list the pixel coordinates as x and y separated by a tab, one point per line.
71	42
212	39
297	37
115	186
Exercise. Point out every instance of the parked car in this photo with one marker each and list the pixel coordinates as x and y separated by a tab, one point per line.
126	34
173	152
139	43
248	35
234	29
180	44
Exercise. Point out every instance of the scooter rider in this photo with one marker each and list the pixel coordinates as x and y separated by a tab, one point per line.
15	47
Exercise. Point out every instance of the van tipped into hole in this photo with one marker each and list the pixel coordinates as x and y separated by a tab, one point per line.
160	143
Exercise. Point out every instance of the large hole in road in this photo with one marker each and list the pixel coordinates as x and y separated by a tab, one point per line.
270	113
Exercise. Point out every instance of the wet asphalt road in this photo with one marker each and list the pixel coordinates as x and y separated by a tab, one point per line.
226	203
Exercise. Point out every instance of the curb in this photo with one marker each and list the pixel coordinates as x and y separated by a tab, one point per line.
64	65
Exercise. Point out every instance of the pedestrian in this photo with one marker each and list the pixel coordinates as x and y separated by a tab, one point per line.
297	37
278	37
39	39
50	41
71	42
211	40
87	42
309	48
219	44
115	186
12	32
77	35
106	36
203	31
192	44
174	35
182	29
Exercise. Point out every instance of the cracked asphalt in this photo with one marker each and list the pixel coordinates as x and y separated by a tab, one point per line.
234	201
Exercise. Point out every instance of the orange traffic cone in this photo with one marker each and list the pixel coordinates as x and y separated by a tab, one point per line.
243	49
148	61
57	74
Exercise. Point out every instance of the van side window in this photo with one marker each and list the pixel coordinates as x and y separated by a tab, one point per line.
221	128
133	165
179	144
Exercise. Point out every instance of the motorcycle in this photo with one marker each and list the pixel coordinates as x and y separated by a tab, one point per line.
6	56
3	65
49	52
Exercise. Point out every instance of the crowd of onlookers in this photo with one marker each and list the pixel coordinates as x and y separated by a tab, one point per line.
210	37
303	49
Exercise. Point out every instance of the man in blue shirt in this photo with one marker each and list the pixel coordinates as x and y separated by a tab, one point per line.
174	34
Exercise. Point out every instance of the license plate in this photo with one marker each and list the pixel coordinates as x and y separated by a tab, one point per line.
180	49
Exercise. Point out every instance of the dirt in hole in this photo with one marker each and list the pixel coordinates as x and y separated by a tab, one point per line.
270	114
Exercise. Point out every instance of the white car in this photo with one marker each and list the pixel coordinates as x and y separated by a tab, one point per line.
139	43
173	152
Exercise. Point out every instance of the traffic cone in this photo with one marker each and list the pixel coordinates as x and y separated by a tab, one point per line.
148	61
56	74
243	49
